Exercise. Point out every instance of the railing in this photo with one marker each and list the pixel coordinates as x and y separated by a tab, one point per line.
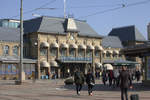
75	59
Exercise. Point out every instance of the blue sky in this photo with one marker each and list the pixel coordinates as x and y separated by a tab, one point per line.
138	15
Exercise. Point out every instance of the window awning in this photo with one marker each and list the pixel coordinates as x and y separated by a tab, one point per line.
44	64
98	47
64	45
82	46
116	51
110	51
53	64
104	51
54	45
90	47
44	44
73	46
108	66
98	65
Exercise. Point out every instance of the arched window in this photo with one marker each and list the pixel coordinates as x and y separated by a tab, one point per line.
15	50
108	54
89	53
43	51
53	51
97	53
6	50
72	52
63	52
81	52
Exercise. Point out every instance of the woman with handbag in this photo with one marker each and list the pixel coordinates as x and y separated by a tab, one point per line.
90	82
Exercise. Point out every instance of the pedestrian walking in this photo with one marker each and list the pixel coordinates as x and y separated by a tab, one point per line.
33	77
90	82
125	82
104	77
79	80
137	75
116	76
110	75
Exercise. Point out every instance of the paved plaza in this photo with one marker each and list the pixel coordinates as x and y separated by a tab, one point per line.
56	90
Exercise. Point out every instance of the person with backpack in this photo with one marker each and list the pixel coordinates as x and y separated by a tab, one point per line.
79	80
90	82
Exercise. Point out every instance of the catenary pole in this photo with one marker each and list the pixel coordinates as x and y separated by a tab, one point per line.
64	8
21	43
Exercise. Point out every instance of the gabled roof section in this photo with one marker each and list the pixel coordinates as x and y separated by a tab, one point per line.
57	25
111	41
9	34
128	33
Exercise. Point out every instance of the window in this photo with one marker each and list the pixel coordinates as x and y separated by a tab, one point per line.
97	53
72	52
15	50
81	52
114	55
53	51
63	52
5	23
6	50
108	55
89	53
43	51
103	55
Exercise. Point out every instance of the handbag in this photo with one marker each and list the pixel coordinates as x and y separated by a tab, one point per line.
92	83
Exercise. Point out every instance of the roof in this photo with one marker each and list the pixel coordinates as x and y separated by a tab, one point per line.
56	25
9	34
111	41
127	33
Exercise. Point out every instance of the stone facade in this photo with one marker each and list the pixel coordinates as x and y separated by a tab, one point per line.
70	38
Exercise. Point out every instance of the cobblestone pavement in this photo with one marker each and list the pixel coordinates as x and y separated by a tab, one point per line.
56	90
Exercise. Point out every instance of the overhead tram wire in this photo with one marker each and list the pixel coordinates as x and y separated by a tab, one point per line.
30	11
94	6
117	8
101	12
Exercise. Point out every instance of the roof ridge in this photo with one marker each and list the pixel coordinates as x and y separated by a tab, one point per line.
124	27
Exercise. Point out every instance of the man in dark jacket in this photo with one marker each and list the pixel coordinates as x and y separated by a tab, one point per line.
79	80
125	82
90	81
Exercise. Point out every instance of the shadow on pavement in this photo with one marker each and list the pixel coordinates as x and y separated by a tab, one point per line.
101	87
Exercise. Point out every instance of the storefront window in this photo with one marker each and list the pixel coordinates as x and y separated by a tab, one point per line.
89	53
63	52
53	51
15	50
43	51
81	52
72	52
1	71
27	69
14	69
97	53
6	50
